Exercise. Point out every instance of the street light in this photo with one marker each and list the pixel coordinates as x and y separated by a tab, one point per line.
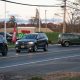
5	20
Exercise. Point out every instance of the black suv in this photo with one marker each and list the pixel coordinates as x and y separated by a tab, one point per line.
3	46
32	42
66	39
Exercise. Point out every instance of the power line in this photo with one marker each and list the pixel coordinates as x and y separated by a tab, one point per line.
31	4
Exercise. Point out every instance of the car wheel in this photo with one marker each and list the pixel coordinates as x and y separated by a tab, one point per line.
66	44
17	51
34	48
4	53
45	47
62	45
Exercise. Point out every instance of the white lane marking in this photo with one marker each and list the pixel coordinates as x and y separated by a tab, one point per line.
45	60
18	55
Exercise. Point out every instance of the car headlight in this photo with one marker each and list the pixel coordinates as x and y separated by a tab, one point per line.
30	42
16	42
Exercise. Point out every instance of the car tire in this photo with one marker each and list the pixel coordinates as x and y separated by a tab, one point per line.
4	53
45	47
62	45
35	48
66	44
17	51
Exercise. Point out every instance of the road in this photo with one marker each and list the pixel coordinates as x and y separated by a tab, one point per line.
57	58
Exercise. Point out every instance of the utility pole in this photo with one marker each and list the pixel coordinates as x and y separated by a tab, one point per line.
45	20
39	21
64	19
5	21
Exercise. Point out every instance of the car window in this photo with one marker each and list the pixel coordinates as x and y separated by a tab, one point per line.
66	36
71	36
40	36
44	35
1	39
76	36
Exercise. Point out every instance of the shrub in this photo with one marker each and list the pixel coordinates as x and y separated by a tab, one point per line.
71	78
36	78
53	37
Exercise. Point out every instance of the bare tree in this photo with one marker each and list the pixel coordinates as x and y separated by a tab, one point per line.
35	20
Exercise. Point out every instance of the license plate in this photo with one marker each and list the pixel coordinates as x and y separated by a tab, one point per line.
22	46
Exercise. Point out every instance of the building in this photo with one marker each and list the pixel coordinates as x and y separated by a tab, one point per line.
26	29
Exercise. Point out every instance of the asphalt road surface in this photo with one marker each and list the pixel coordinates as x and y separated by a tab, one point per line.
57	58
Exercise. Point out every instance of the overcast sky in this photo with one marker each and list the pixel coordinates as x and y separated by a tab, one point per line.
26	12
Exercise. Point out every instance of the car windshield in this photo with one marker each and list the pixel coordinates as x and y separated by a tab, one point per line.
30	36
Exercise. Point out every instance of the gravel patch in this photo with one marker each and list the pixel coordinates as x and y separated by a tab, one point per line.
48	76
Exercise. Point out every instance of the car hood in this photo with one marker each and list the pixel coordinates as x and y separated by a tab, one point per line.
26	40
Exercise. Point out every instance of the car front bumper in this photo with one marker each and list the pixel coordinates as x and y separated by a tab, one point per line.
24	47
